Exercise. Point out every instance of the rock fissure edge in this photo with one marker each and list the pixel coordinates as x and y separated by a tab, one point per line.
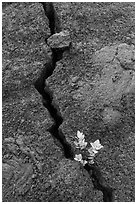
47	97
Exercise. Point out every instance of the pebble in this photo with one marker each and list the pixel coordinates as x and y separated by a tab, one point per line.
59	40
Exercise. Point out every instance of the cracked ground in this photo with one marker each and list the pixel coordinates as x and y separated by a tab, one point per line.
49	94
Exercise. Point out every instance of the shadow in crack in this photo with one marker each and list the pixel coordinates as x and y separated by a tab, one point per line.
54	23
47	97
99	182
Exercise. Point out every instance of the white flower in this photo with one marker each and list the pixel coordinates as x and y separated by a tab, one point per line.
78	157
91	158
91	161
77	144
96	145
81	144
92	151
84	162
81	141
80	135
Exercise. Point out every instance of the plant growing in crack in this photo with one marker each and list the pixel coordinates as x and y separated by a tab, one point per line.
86	155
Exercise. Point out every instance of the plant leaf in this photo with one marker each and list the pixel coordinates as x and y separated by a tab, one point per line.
80	135
96	145
78	157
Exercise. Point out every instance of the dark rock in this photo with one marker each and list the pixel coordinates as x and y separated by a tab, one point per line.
89	89
24	29
126	56
59	40
25	138
5	4
22	174
97	76
34	167
118	167
54	21
97	22
24	111
82	101
106	54
111	116
71	183
88	92
32	159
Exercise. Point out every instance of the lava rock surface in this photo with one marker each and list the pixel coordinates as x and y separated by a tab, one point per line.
34	166
24	29
93	87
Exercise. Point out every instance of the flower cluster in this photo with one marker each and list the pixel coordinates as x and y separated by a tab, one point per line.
78	157
81	141
92	151
95	146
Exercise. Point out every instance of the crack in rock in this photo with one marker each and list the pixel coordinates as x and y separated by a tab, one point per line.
98	182
26	142
47	96
54	23
43	89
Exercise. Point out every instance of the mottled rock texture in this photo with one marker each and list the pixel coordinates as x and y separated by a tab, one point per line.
34	166
70	182
60	40
93	86
27	146
24	29
102	22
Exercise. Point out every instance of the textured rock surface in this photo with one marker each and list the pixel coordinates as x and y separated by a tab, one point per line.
59	40
70	182
93	86
117	164
102	22
24	28
32	159
111	116
22	174
101	106
126	55
34	166
27	146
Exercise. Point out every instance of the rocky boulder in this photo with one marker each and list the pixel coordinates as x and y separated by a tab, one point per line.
34	165
24	29
60	40
95	100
